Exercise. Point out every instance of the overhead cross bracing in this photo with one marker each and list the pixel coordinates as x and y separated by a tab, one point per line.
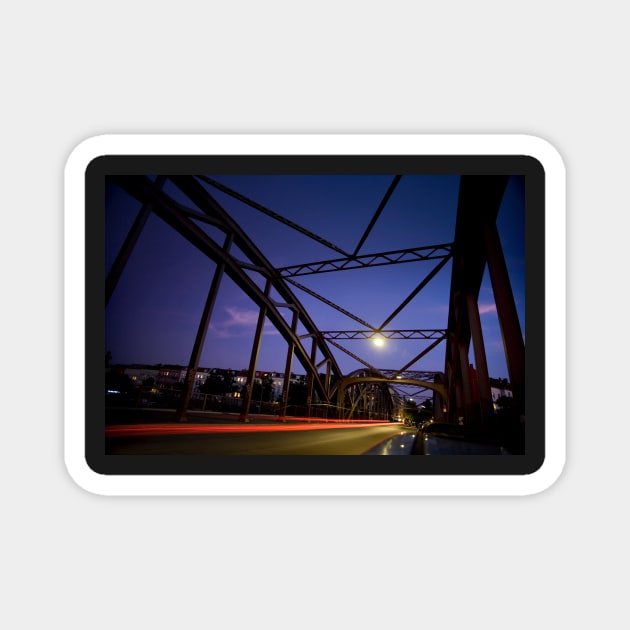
431	252
386	334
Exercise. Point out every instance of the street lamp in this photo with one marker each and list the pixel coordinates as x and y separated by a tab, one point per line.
378	340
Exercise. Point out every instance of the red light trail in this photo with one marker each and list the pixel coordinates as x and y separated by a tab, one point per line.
132	430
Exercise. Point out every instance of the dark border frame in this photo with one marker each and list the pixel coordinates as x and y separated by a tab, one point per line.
527	166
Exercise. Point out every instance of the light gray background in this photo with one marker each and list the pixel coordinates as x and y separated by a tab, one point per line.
73	70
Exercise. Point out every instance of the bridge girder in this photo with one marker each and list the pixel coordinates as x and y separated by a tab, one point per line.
475	247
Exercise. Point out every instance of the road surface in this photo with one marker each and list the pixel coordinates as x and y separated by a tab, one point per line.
258	439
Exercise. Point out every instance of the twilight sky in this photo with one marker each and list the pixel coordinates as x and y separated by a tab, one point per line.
155	310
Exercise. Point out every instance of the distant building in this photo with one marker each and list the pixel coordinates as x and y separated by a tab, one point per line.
139	374
167	377
499	387
162	377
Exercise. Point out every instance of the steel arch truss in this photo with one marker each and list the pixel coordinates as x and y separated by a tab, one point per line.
180	218
382	388
365	394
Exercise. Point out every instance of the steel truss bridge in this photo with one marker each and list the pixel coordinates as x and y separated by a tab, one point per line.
369	391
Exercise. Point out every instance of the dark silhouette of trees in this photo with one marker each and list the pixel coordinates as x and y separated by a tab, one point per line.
219	383
263	389
416	414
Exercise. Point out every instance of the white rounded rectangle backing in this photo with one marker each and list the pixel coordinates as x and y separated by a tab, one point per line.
315	144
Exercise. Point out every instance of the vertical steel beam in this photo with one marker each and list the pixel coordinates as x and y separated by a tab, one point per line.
341	395
287	371
448	383
310	379
193	363
508	315
327	386
467	395
456	406
253	359
483	380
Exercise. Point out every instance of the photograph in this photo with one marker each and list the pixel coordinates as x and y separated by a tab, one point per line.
306	310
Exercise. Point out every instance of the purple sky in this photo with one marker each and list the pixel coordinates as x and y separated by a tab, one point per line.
155	310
